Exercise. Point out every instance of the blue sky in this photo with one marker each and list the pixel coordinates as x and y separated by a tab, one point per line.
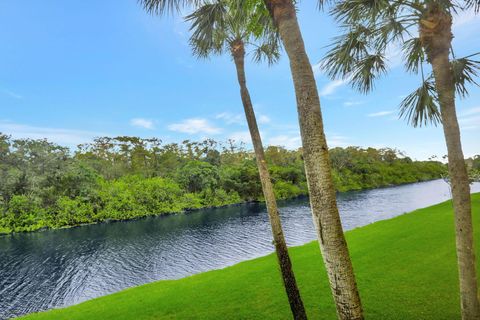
73	70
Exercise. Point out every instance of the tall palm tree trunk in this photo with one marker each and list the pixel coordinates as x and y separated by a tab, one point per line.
436	37
291	288
317	165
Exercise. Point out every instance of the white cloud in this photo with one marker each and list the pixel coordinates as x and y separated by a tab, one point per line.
393	53
12	94
142	123
61	136
470	123
470	119
263	119
330	87
231	118
352	103
470	112
380	114
194	125
464	18
470	127
316	68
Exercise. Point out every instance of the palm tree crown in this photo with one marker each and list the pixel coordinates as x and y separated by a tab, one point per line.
221	26
373	28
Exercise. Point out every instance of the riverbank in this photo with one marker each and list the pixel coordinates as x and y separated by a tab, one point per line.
73	209
405	267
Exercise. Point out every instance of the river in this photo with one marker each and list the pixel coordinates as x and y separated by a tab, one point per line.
58	268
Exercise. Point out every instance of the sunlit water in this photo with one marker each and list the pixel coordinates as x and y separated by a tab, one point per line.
58	268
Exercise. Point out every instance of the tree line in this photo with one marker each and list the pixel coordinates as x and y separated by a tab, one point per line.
45	185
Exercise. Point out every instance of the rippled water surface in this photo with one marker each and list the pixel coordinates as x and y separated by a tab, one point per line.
58	268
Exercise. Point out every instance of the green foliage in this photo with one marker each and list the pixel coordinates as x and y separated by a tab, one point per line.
45	186
421	106
22	214
71	212
357	168
196	176
286	190
134	196
224	26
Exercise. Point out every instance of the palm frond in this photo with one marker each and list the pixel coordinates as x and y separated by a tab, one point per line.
346	51
353	11
421	106
475	4
322	3
259	31
413	54
167	6
389	29
268	52
465	71
367	70
209	29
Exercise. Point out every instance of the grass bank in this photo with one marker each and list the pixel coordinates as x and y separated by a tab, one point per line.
405	268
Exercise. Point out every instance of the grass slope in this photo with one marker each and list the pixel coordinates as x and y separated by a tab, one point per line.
405	269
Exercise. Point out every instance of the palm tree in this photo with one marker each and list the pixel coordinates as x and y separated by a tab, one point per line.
424	31
318	170
315	151
218	28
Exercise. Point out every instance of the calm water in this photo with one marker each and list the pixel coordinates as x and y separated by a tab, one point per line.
58	268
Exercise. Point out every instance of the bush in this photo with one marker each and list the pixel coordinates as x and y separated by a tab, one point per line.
285	190
71	212
23	214
134	196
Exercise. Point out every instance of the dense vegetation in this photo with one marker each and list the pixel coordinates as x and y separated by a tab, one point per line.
46	185
405	269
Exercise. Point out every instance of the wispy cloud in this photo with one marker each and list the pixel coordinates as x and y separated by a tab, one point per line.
331	87
470	123
470	119
235	118
352	103
464	18
380	114
11	94
194	125
67	137
317	68
142	123
470	112
263	119
231	118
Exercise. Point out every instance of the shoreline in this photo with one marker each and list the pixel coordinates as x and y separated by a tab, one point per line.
188	211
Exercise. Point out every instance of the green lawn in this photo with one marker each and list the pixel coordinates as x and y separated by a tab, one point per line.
405	269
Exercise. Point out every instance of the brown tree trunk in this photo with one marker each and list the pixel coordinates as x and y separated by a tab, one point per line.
436	37
291	288
317	164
